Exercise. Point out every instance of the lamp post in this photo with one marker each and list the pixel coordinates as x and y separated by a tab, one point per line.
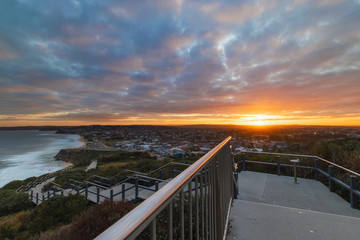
295	161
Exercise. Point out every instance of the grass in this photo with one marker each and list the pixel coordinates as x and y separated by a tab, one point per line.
112	165
11	219
111	142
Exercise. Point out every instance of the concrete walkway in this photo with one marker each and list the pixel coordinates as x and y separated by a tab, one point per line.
92	165
273	207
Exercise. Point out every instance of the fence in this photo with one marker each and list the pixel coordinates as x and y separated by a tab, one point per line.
208	186
319	166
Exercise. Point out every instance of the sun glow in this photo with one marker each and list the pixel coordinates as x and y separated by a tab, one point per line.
259	119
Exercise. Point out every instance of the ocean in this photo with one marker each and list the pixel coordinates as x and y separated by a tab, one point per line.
25	154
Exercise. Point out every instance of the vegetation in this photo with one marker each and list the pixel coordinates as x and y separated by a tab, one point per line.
345	152
91	223
57	210
13	202
17	183
63	218
7	232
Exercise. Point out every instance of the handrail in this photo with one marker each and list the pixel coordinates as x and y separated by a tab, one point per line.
124	172
351	186
299	155
139	218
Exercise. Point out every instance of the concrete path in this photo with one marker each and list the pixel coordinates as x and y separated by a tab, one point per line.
273	207
92	165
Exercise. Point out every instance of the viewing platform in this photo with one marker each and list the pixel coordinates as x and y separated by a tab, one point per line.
274	207
211	199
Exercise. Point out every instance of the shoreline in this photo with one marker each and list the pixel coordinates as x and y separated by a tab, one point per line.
65	164
82	139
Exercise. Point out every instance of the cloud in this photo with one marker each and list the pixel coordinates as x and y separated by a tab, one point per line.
76	59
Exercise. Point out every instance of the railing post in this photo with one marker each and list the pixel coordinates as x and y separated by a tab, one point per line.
202	203
160	174
190	210
353	197
86	190
182	233
123	191
136	189
48	195
197	206
54	192
153	229
243	162
156	186
111	194
97	195
43	198
316	169
37	198
331	174
172	170
278	165
31	195
170	221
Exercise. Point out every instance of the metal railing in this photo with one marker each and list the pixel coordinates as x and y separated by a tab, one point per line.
197	203
318	165
128	183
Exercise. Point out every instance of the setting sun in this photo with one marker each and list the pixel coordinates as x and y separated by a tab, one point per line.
259	123
259	119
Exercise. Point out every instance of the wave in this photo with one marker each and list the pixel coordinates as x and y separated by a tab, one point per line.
39	161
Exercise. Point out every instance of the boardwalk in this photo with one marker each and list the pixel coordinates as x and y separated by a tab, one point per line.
273	207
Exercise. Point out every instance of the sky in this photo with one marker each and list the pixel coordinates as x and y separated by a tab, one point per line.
81	62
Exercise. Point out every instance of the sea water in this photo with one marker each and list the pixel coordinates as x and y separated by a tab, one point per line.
25	154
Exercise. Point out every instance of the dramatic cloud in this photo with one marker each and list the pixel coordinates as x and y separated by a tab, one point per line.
149	61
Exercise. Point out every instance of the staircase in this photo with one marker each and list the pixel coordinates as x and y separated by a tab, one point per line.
128	185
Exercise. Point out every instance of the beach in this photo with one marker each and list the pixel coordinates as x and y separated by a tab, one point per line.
29	153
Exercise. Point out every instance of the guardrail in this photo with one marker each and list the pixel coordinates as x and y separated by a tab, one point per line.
107	182
315	164
205	190
91	187
42	179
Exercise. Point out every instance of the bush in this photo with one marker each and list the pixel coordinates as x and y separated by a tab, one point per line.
7	232
98	218
57	210
17	183
13	184
78	174
12	202
91	223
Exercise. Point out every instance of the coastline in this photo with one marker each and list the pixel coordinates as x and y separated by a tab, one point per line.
24	159
82	139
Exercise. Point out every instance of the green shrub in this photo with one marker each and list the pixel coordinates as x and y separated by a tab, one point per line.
57	210
91	223
12	202
78	174
121	156
13	184
98	218
17	183
47	187
7	232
